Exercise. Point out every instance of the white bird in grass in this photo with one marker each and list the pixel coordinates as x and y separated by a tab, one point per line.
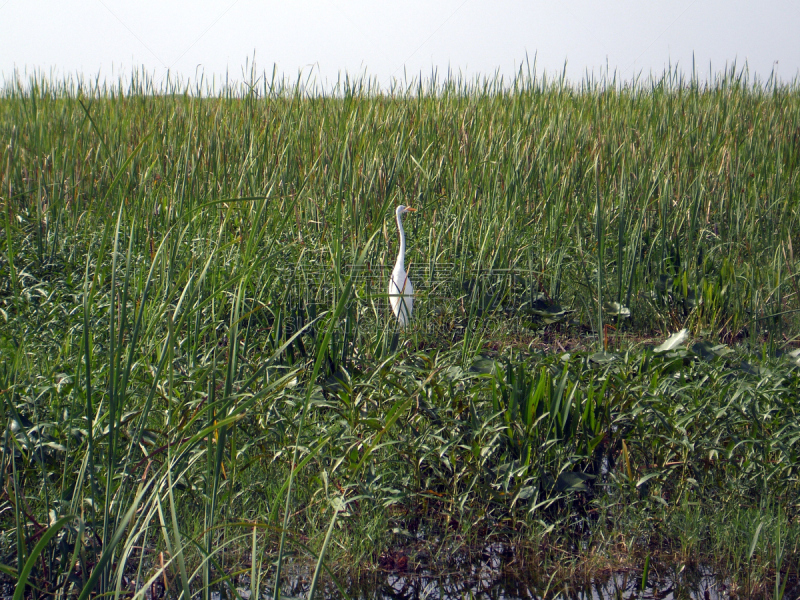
401	292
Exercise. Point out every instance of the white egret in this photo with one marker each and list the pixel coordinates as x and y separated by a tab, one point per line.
401	292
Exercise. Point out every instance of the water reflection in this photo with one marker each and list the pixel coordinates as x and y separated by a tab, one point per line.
484	582
490	578
701	585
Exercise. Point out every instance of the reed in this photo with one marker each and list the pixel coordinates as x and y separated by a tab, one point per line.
201	376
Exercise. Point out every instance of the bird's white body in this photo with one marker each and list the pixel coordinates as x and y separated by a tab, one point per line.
401	292
401	295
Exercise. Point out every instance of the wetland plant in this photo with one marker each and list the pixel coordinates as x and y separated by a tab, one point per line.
201	377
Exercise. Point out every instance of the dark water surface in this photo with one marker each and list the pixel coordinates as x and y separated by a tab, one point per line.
698	585
489	579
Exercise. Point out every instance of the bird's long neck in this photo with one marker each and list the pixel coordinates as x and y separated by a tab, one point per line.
402	254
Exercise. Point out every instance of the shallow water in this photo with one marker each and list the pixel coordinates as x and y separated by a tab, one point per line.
486	580
618	585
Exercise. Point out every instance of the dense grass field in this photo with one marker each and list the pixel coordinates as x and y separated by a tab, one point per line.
203	385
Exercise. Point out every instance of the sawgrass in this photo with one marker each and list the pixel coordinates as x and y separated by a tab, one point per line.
201	377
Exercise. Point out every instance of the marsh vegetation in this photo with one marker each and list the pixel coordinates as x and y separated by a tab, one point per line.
202	379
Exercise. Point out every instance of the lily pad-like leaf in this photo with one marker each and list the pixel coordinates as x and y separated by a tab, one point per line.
706	351
617	310
452	373
603	358
794	356
483	365
550	312
750	369
673	341
570	481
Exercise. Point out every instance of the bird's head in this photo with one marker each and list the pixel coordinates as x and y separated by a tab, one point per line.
402	209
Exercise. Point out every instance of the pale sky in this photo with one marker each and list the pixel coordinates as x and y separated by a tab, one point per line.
382	39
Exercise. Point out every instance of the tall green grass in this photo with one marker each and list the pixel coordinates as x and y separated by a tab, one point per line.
200	365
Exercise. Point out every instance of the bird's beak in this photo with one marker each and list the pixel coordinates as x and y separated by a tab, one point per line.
409	209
